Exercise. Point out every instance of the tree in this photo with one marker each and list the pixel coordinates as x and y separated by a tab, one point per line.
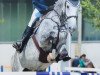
91	11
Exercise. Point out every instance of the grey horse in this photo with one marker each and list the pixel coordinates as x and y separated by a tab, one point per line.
50	39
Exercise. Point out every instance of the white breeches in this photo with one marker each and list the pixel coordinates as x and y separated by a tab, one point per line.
36	14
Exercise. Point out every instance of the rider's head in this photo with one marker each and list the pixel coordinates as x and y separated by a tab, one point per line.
83	56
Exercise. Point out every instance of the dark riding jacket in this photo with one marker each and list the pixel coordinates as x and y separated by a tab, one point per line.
42	5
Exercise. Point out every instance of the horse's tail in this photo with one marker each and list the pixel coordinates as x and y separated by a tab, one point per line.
15	63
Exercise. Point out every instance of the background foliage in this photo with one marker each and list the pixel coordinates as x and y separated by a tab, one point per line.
91	11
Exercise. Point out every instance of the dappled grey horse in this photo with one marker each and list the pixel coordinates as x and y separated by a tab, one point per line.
48	44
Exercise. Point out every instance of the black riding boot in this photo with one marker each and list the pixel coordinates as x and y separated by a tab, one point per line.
26	35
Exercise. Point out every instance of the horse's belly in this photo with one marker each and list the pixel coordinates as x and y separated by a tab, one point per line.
37	65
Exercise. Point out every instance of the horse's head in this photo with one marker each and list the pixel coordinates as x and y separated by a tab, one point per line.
68	9
71	11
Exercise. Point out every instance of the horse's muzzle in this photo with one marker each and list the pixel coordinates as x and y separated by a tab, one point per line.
63	54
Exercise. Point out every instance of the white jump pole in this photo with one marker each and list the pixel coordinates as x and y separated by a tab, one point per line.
83	69
68	41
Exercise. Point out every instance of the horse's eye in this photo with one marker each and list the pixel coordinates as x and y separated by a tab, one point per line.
67	6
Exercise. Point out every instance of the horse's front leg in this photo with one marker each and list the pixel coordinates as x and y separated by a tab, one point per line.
66	47
51	56
63	54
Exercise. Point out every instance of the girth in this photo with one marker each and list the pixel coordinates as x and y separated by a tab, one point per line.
43	55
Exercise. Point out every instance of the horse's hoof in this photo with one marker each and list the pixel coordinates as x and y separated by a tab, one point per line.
66	58
26	69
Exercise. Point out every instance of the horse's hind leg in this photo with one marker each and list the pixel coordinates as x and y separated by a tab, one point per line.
15	63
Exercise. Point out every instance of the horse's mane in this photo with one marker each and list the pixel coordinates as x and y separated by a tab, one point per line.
58	6
58	3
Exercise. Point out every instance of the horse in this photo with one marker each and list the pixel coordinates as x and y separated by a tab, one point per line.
49	40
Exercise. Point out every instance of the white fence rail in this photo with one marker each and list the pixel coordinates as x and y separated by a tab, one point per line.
83	69
6	70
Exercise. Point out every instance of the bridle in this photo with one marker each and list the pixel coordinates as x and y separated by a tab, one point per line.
63	17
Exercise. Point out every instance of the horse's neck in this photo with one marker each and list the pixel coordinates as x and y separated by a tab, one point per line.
59	6
54	16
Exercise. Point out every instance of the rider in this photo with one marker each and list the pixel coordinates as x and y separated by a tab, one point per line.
41	8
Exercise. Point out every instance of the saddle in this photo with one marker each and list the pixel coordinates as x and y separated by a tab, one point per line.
38	22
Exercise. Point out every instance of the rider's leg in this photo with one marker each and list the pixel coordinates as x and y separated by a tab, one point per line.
28	31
